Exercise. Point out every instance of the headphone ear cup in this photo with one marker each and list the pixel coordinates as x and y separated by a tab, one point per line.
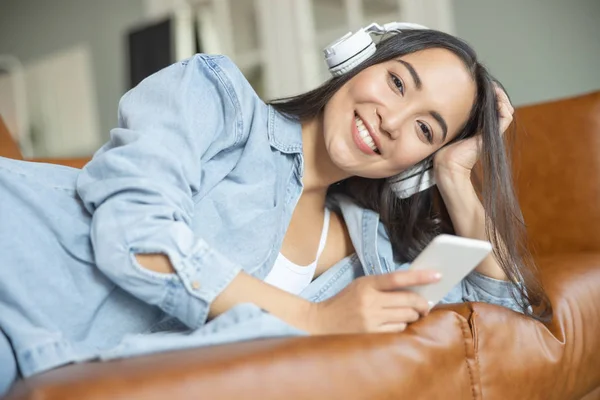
353	62
414	180
349	51
352	49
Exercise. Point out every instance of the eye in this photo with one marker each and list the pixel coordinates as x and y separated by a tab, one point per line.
397	82
426	131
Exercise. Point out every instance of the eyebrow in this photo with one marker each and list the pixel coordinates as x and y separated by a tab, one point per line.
413	73
442	123
419	84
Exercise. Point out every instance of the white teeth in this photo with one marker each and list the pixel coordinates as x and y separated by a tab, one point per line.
364	134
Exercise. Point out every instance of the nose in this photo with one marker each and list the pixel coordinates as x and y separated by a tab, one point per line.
391	122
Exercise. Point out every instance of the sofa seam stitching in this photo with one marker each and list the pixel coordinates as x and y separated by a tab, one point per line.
462	326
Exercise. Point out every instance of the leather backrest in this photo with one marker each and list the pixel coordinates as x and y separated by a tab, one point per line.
557	173
8	147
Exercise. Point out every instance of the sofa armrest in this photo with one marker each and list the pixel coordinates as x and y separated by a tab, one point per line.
536	361
69	162
8	146
369	366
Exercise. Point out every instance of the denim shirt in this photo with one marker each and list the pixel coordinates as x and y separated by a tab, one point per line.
199	169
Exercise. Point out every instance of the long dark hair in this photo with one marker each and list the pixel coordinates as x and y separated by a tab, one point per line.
412	223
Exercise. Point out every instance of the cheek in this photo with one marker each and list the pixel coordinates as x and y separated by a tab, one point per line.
410	150
331	125
333	137
334	113
369	82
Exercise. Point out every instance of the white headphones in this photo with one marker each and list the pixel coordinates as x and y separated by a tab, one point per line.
349	51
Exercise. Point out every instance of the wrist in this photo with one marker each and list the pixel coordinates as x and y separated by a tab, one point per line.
462	203
311	313
301	314
453	180
451	172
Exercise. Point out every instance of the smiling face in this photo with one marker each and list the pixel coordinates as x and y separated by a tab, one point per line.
394	114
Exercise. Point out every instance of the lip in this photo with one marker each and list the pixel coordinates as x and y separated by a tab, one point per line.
359	142
371	132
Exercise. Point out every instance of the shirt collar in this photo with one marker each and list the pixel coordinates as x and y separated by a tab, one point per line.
285	134
362	226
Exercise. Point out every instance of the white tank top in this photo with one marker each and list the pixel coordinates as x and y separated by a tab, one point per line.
294	278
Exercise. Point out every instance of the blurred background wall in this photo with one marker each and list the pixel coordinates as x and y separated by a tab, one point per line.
539	49
73	59
88	34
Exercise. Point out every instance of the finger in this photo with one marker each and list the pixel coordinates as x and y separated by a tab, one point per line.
391	328
405	278
499	91
505	119
398	315
404	299
510	107
504	111
503	98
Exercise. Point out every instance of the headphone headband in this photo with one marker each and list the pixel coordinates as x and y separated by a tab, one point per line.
397	27
353	48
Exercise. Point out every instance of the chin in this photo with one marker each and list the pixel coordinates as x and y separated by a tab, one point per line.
342	156
348	160
352	169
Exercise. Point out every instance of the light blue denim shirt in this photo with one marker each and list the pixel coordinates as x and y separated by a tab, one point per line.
200	169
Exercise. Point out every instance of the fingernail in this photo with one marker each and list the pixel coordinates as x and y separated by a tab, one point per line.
437	275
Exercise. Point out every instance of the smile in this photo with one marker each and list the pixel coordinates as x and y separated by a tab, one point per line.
363	138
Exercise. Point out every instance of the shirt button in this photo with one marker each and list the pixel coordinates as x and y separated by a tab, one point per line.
195	285
372	269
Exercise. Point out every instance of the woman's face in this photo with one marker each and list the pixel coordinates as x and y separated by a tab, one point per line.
392	115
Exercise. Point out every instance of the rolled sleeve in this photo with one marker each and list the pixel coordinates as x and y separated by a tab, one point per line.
140	186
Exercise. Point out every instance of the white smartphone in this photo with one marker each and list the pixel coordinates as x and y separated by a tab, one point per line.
454	257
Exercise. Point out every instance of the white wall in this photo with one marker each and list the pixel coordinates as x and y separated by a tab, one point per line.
60	103
36	29
539	49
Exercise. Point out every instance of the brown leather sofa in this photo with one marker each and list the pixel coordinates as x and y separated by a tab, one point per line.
463	351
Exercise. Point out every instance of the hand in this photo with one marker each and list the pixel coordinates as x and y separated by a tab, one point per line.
374	303
460	157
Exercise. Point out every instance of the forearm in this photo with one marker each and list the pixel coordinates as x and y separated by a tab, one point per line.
245	289
468	216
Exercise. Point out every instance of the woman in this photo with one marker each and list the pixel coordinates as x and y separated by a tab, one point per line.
205	199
